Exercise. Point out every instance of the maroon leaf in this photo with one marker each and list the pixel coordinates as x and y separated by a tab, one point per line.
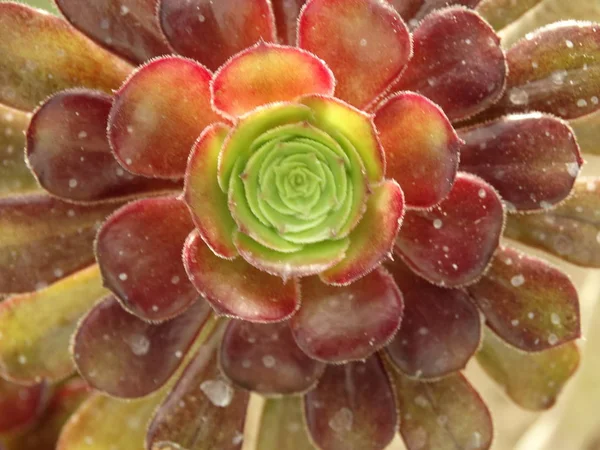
555	69
117	353
157	115
139	252
265	358
212	31
365	43
532	160
452	244
571	231
338	324
465	74
532	380
528	303
442	415
127	27
20	405
441	328
420	146
68	151
237	289
43	239
352	408
202	411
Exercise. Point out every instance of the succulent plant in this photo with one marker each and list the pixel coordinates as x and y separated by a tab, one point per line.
304	200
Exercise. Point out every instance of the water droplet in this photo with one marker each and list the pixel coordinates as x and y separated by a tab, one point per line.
558	77
175	280
555	319
341	422
178	354
421	401
237	438
218	392
123	276
268	361
531	315
22	359
582	103
482	193
82	135
72	183
124	10
423	331
518	96
140	344
514	322
437	224
363	42
569	43
201	17
517	280
475	441
552	339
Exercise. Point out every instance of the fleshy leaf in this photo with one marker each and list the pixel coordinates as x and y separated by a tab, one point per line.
268	73
353	407
501	13
117	353
282	425
235	288
528	303
15	176
338	324
365	43
555	69
532	380
415	10
571	231
587	130
158	114
205	199
212	31
440	331
68	151
286	19
452	244
104	422
532	160
63	403
311	260
42	54
127	27
20	405
465	75
420	145
250	127
442	415
36	328
334	116
264	358
139	252
385	209
43	239
202	411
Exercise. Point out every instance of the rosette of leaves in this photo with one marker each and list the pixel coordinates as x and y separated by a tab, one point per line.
301	200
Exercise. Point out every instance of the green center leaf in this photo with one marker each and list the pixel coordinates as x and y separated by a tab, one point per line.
292	184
